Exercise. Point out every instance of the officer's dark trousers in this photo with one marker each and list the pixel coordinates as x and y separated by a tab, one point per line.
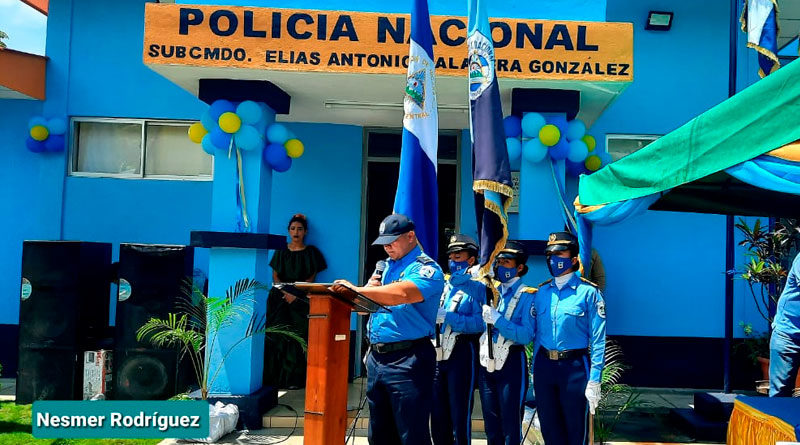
399	393
560	387
502	393
784	361
453	387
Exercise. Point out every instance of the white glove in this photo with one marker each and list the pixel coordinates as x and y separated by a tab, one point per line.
440	315
490	314
593	395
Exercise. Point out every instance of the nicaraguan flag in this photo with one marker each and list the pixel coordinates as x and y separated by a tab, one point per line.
760	22
417	192
491	172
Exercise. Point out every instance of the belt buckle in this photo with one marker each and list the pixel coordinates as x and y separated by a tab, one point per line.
552	354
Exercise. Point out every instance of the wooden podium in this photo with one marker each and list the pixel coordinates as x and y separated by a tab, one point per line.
328	357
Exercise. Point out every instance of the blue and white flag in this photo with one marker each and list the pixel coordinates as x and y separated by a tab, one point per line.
491	171
760	22
417	191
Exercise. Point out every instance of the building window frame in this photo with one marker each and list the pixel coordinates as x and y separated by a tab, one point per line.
142	175
630	136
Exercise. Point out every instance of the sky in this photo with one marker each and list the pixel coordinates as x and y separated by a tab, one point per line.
26	27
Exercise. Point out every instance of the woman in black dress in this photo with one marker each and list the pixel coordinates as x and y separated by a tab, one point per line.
284	359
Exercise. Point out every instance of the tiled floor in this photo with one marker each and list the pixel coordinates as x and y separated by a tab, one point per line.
282	424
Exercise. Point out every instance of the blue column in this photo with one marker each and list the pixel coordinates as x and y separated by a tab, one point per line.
241	372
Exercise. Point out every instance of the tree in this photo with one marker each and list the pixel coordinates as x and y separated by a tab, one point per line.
3	36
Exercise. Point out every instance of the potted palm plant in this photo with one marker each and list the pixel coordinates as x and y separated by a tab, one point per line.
196	326
770	252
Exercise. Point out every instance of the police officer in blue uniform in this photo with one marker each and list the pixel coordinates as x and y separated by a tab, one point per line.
459	325
571	337
503	381
402	360
784	344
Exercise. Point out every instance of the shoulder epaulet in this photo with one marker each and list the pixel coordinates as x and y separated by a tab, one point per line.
589	282
530	290
425	259
545	282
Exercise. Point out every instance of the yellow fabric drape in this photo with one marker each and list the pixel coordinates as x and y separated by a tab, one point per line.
749	426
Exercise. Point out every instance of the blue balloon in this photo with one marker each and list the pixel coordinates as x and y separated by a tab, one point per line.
57	125
560	151
283	165
208	121
220	139
276	157
534	151
606	158
576	129
559	121
37	120
34	145
514	147
513	126
248	138
249	112
577	151
208	144
575	168
531	124
55	143
221	106
277	134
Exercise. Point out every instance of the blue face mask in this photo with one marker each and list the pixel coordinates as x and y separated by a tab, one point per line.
558	265
458	267
504	274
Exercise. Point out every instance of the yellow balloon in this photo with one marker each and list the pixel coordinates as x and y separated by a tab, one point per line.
593	163
590	142
549	135
294	148
39	132
196	132
229	122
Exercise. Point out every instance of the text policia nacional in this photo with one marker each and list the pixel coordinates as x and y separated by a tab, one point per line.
276	28
118	420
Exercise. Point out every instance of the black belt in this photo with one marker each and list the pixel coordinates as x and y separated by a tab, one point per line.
468	337
385	348
564	355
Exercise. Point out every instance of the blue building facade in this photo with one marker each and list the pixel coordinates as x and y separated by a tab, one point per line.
666	271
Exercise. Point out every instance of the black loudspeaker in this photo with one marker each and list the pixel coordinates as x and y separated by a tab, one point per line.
64	299
48	374
152	280
146	374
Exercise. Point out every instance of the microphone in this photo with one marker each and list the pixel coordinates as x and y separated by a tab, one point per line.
380	267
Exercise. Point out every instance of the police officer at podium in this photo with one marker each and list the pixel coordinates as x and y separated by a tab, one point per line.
402	359
459	325
571	332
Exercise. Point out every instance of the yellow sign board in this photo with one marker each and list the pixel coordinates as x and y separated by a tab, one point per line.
373	43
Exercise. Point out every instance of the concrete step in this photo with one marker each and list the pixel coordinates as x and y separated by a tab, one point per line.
714	406
697	426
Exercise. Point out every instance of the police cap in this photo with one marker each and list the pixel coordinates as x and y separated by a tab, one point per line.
392	227
514	250
461	242
560	241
